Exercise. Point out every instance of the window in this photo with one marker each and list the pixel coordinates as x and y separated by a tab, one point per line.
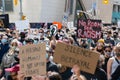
118	8
8	5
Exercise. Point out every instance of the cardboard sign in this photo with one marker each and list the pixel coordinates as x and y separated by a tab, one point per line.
68	55
70	25
22	25
89	29
33	59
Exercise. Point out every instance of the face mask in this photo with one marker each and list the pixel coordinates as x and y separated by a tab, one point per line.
99	50
24	43
118	54
35	41
4	41
46	55
105	36
115	36
108	53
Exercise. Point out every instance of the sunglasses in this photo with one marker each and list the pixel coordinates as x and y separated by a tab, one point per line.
107	51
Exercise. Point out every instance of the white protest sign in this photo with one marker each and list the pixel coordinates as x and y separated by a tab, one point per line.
22	25
70	24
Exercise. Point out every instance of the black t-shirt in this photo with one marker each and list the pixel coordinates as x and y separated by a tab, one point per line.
66	74
52	67
110	41
99	75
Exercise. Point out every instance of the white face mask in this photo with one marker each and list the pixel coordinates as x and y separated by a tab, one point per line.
108	53
61	33
105	36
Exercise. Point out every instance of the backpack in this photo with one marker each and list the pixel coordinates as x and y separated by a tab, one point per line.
7	60
116	74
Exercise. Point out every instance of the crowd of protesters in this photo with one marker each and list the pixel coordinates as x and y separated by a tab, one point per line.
108	66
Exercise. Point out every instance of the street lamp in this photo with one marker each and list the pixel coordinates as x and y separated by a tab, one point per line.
21	11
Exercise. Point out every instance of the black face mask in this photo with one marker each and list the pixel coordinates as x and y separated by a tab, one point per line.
118	54
115	36
99	50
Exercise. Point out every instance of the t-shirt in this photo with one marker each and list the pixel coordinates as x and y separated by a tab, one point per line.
99	75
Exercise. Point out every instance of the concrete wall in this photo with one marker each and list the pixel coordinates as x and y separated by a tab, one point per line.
39	10
71	17
104	12
52	10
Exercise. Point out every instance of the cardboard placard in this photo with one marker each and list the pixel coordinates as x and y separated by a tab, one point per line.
33	59
68	55
70	25
89	29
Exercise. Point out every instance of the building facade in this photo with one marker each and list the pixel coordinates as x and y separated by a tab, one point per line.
103	11
116	11
37	11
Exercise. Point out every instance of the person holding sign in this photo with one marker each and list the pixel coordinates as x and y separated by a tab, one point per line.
76	73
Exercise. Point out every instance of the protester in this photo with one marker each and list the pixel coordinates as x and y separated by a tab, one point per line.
113	68
13	72
51	66
76	73
108	54
115	37
109	39
65	72
100	48
4	46
99	74
11	40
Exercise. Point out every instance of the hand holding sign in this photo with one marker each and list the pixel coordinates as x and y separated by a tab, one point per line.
69	55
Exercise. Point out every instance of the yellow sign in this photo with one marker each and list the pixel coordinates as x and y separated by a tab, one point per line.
105	1
15	2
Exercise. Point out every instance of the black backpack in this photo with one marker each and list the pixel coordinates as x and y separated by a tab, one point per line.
116	74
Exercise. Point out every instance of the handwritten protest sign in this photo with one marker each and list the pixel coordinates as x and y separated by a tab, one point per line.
33	59
89	29
22	25
69	55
